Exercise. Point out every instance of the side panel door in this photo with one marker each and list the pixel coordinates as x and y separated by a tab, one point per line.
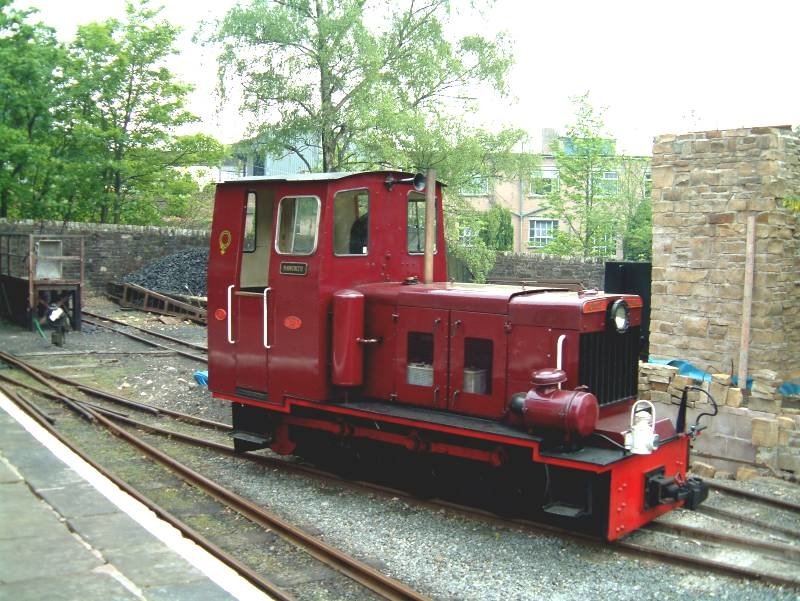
252	354
421	362
478	347
250	298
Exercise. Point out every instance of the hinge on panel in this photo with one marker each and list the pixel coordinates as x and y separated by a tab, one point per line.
507	327
395	316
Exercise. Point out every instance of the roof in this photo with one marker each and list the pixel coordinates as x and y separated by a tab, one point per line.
312	177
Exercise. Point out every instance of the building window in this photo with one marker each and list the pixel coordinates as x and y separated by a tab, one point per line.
609	182
541	232
544	183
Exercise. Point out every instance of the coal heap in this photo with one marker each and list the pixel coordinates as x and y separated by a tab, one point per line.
181	273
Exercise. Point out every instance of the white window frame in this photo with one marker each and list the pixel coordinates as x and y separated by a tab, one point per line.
546	173
541	240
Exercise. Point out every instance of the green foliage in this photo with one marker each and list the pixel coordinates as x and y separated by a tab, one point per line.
581	202
317	76
87	131
462	231
321	82
635	208
130	101
497	231
598	211
30	83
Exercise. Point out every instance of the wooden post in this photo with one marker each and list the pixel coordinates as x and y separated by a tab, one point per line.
430	222
747	302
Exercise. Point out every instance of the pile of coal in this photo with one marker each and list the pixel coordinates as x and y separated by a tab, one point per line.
181	273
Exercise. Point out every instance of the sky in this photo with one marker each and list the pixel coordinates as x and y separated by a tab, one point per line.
654	67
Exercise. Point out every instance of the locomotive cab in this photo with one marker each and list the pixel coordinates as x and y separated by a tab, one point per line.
325	338
280	248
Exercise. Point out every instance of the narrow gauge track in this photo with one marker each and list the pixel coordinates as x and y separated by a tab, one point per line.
689	535
366	576
667	539
93	318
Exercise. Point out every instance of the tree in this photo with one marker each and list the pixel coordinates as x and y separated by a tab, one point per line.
583	201
633	201
322	84
30	83
127	106
497	231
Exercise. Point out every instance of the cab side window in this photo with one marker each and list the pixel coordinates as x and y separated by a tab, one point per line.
416	223
351	222
298	225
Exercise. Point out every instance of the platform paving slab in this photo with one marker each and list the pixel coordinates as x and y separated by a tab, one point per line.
76	501
87	586
60	539
197	590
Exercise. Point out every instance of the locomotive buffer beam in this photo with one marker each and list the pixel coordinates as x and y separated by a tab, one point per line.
661	489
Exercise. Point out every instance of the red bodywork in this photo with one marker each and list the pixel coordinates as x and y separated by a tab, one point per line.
352	345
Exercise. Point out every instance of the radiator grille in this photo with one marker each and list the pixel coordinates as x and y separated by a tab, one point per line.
609	364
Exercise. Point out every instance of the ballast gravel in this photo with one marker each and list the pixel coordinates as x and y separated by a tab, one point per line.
442	553
451	556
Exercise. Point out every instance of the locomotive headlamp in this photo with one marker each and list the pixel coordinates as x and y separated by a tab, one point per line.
619	316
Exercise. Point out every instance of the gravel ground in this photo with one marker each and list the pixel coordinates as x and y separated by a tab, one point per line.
443	553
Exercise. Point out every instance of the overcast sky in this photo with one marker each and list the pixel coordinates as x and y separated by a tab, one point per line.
657	67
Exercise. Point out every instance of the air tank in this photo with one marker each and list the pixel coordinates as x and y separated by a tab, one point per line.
348	334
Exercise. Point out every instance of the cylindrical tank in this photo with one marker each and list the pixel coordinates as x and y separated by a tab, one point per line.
548	407
348	328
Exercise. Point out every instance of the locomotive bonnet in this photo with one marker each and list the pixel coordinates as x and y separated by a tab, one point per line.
333	324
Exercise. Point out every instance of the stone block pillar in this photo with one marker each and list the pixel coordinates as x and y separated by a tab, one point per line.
705	185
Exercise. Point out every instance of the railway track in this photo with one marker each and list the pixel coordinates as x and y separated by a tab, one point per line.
97	321
703	545
371	579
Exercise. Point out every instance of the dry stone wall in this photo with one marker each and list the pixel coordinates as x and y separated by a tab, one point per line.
542	268
739	440
705	185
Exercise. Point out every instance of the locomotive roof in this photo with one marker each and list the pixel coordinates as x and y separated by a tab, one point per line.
313	177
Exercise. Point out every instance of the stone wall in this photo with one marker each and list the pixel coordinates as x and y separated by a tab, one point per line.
112	251
739	441
524	267
705	185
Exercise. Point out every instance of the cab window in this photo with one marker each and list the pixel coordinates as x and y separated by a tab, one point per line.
416	223
298	225
351	222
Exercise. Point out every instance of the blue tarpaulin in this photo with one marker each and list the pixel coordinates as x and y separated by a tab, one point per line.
685	368
201	377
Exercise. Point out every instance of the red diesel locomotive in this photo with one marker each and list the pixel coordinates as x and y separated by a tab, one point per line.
324	336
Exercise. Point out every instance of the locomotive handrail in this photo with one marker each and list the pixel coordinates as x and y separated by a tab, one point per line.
230	333
266	337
